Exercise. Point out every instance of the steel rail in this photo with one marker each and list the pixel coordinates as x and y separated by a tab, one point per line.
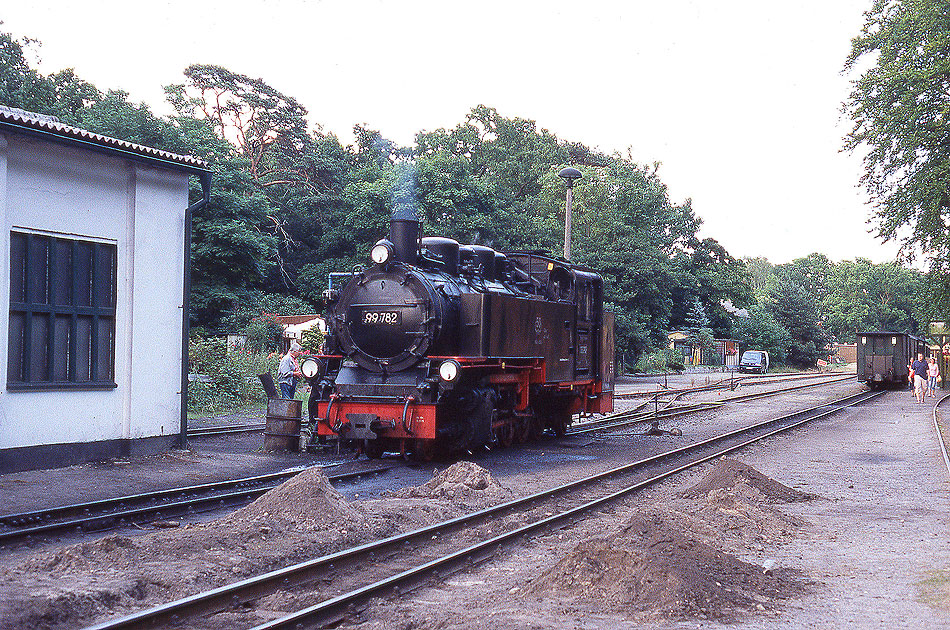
635	412
339	603
225	429
612	422
747	379
624	418
940	439
234	594
110	513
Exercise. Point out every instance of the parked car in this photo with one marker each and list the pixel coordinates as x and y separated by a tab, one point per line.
754	361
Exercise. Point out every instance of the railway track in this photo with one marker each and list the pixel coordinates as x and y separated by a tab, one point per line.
225	429
150	506
726	383
339	581
642	415
942	437
722	384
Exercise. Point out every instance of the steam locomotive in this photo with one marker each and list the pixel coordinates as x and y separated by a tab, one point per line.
438	347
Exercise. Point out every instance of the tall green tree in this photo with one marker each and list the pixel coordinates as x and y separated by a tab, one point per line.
900	106
795	310
761	331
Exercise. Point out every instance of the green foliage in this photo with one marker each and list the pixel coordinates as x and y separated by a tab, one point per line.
795	310
660	361
863	296
312	340
231	376
700	334
900	106
811	300
761	331
263	334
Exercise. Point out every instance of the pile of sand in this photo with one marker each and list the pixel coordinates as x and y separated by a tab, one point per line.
302	518
462	482
729	472
739	518
676	560
652	568
307	498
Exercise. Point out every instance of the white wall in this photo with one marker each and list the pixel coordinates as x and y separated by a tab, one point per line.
64	190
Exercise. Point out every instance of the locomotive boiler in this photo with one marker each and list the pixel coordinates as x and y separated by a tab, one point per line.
438	347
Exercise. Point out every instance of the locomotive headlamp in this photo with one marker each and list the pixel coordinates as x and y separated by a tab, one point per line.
449	370
382	252
312	368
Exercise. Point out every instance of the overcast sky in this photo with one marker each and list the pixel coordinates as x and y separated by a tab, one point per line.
739	100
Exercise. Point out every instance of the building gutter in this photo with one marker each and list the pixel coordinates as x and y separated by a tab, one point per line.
205	179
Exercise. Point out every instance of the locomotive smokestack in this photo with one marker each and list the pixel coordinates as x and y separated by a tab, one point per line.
404	234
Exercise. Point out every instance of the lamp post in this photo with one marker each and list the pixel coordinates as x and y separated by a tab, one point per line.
569	174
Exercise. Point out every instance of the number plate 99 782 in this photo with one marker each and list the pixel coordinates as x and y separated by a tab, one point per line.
384	318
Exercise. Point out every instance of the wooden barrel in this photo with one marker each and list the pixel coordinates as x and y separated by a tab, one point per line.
282	428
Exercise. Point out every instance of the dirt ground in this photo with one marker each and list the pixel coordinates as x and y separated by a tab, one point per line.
867	548
841	524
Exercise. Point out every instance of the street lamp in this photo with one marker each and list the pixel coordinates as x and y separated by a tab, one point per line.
569	174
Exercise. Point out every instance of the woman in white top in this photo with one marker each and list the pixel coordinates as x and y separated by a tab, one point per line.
933	371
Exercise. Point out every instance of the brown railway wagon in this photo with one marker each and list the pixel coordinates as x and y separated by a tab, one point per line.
883	357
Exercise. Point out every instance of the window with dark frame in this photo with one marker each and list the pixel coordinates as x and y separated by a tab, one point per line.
62	313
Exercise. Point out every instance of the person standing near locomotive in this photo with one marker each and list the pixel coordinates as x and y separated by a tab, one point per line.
288	371
920	368
933	373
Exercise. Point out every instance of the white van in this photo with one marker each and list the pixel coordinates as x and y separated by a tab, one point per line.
755	361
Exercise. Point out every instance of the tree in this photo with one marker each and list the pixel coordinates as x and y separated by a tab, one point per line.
865	296
706	271
760	331
901	112
763	279
794	309
697	324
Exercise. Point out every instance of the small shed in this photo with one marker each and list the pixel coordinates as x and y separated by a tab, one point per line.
295	325
845	352
95	275
724	351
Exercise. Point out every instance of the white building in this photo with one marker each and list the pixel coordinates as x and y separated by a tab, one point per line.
94	276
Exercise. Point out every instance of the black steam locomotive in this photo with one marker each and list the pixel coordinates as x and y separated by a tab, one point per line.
439	347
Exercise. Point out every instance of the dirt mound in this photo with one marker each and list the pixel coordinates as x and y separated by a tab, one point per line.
651	568
461	482
729	472
301	518
737	520
306	498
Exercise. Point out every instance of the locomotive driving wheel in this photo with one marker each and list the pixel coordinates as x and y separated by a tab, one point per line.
373	448
506	432
527	427
426	450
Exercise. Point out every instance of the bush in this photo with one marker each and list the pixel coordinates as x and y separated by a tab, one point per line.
312	340
229	380
263	334
660	361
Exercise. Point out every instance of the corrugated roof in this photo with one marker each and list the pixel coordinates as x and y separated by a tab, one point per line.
12	117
